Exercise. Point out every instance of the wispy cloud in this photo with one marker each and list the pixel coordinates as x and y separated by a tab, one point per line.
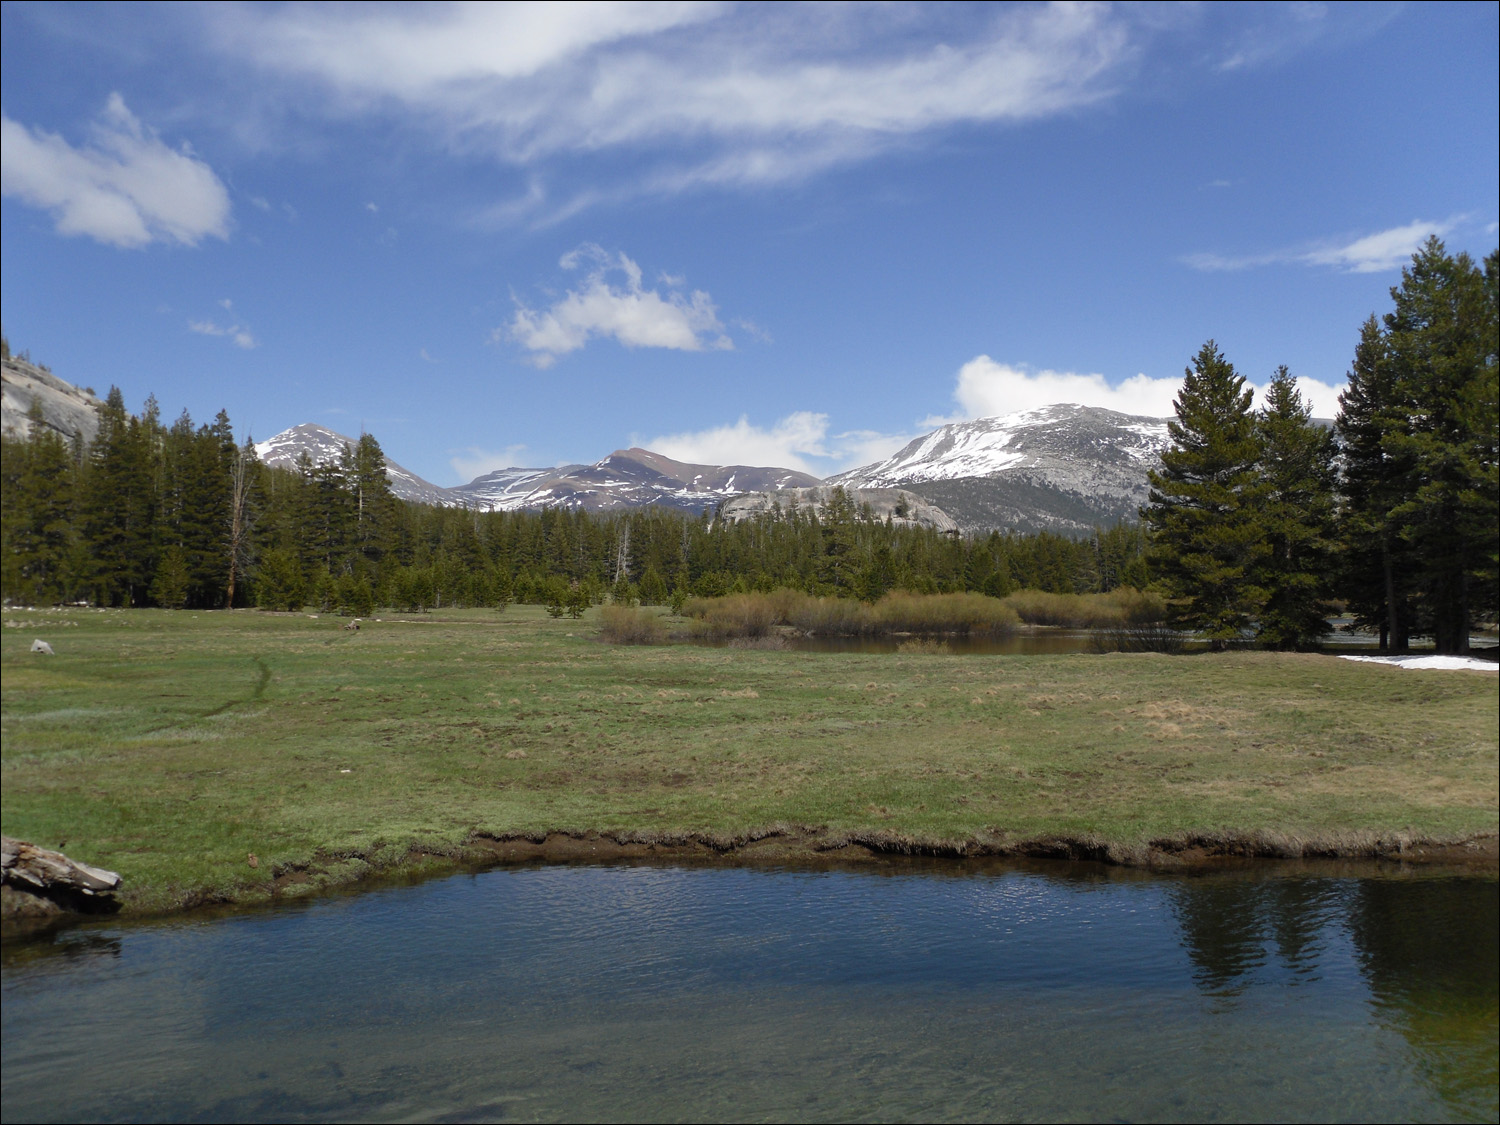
475	462
124	187
715	93
1372	253
1266	33
235	332
628	312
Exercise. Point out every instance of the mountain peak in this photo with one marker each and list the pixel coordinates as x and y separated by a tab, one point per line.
1062	466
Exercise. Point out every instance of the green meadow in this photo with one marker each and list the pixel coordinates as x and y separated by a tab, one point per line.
173	746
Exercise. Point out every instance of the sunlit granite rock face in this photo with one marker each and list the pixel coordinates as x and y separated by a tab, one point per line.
71	411
900	507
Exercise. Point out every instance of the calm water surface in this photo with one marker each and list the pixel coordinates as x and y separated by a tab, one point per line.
1065	642
662	993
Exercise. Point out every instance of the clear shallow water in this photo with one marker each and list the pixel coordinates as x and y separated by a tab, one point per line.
661	993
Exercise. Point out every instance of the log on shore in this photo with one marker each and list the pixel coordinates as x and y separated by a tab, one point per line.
51	875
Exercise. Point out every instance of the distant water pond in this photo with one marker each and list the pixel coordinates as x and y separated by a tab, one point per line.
648	993
1050	641
1032	642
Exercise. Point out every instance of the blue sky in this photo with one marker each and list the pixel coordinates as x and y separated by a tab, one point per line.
497	235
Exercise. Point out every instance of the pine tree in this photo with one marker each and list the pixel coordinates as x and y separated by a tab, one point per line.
1441	346
39	542
1296	517
1375	570
839	565
118	507
1421	431
169	586
374	503
1204	503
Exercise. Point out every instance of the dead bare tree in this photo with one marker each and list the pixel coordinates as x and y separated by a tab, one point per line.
241	477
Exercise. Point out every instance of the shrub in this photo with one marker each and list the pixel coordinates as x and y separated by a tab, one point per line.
623	625
964	614
1117	609
755	615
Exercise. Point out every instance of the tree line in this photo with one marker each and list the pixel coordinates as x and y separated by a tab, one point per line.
1259	518
1260	522
184	515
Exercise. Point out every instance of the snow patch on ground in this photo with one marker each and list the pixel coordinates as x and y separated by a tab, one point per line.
1430	663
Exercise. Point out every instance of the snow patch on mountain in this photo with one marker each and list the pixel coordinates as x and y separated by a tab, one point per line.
324	446
1064	467
1054	439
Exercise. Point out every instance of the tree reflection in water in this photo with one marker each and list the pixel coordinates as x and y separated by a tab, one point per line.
1428	949
1431	953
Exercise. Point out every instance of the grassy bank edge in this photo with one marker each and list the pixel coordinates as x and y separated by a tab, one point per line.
800	846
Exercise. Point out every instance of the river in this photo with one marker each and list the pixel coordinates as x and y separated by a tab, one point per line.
920	990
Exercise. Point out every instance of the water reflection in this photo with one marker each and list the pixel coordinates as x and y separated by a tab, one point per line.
1232	928
1043	992
1432	958
1046	641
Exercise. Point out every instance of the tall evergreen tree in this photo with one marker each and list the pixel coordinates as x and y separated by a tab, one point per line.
1374	571
1296	517
39	547
1441	346
118	507
1421	426
1204	503
374	503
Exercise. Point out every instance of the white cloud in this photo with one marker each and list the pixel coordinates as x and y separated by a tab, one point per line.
125	187
798	441
1372	253
723	93
753	330
635	316
1384	250
237	334
475	462
985	388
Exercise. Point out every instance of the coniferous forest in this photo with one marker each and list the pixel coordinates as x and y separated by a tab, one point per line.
184	516
1260	521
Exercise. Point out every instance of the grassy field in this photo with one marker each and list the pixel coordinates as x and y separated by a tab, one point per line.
171	746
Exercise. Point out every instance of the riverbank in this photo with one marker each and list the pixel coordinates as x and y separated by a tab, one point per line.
177	748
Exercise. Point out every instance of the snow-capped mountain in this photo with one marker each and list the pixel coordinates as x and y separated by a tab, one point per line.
1062	467
323	445
627	478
